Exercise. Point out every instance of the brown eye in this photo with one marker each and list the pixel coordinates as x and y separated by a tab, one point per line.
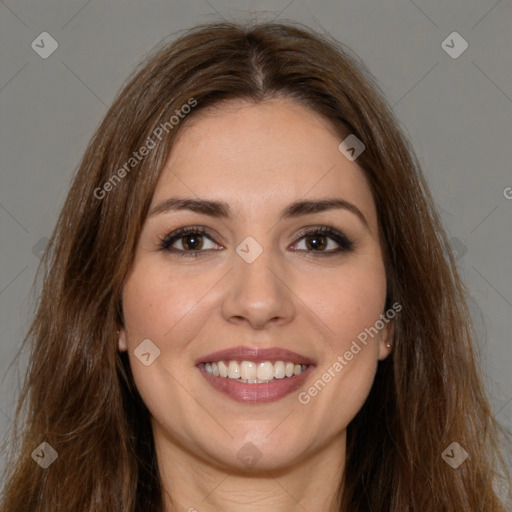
316	242
192	242
324	241
189	241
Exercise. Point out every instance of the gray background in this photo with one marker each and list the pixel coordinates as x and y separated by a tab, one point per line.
458	113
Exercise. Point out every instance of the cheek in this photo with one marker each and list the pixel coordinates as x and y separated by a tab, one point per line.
347	301
165	307
156	301
157	305
351	302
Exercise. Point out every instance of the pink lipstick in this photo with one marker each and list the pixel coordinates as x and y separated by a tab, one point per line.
255	375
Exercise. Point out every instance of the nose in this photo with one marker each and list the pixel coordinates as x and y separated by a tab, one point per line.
259	293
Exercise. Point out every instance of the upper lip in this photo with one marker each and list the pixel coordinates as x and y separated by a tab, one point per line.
242	353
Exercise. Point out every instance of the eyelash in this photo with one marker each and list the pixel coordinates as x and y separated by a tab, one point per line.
345	244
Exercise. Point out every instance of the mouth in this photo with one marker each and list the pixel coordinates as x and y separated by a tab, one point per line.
255	375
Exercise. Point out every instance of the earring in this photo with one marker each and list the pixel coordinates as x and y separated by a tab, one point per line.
388	345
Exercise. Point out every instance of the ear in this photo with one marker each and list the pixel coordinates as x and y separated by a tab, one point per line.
386	340
121	334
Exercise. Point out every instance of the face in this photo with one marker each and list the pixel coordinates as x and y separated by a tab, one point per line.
258	285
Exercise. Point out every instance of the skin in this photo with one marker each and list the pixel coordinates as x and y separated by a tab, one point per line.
258	158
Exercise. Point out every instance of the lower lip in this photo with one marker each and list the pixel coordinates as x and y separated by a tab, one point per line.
256	393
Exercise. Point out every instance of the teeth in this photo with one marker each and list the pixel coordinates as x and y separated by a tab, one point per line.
279	370
265	371
250	372
233	370
223	369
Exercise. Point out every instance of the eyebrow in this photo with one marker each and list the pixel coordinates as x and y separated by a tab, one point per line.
221	209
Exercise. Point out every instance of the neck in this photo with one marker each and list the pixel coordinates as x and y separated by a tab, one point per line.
192	484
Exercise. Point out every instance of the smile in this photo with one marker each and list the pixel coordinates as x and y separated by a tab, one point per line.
251	372
255	375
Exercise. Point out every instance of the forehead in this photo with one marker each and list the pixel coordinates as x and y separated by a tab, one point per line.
261	155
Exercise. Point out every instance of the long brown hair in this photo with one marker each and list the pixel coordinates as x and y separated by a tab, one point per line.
78	394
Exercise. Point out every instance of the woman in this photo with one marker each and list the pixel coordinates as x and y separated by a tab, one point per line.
246	302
